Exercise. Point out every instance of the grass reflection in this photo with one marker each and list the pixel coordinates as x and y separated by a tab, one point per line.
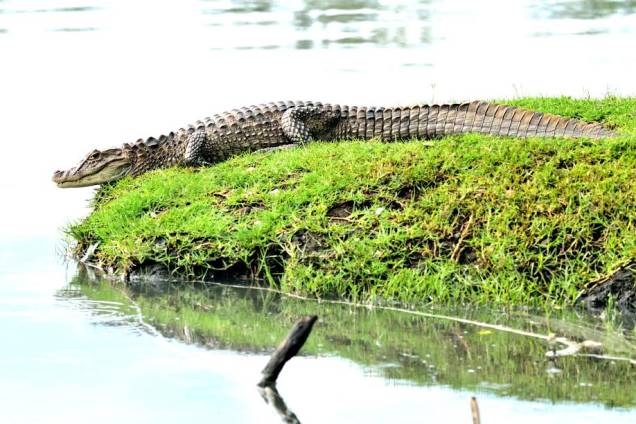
396	346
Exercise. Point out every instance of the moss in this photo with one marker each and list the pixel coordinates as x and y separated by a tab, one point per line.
467	218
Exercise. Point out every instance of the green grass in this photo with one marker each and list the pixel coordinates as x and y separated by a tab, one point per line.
463	219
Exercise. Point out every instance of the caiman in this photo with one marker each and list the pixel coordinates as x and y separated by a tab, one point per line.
275	125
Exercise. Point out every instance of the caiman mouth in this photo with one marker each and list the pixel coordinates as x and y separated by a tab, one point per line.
107	172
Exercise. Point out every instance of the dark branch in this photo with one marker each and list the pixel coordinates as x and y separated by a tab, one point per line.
287	349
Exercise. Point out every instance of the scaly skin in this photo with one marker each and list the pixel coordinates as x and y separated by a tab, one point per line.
272	125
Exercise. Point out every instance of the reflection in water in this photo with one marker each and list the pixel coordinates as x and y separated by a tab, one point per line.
583	9
271	396
314	24
53	10
320	24
86	29
242	6
395	346
105	309
429	42
346	23
63	17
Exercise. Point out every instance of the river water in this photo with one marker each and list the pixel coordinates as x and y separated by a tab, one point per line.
80	74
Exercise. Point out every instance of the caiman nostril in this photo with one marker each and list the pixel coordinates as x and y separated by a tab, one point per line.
58	174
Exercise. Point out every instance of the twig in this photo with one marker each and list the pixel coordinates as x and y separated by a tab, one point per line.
474	409
458	247
288	348
608	357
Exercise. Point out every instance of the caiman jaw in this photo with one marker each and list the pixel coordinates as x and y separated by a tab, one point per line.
97	168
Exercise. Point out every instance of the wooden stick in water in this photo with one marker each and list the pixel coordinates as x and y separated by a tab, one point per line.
287	349
474	409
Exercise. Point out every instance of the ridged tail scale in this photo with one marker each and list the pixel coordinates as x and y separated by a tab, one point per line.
426	122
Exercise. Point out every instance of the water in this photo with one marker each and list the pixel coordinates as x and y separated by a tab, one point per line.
75	75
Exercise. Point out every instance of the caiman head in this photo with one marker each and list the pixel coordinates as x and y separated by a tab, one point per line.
98	167
104	166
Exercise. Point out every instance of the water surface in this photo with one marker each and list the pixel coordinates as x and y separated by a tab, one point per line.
80	74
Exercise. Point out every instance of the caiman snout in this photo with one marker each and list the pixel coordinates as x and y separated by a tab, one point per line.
63	178
58	175
97	168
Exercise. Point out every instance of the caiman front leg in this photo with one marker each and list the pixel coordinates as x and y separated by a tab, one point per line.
195	146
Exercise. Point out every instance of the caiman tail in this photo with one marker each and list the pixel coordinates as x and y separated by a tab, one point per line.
426	122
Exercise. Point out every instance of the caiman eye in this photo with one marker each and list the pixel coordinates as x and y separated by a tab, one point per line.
94	155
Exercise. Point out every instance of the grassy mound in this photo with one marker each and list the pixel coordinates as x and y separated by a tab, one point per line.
467	218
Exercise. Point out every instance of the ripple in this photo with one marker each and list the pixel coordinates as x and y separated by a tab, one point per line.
54	10
86	29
